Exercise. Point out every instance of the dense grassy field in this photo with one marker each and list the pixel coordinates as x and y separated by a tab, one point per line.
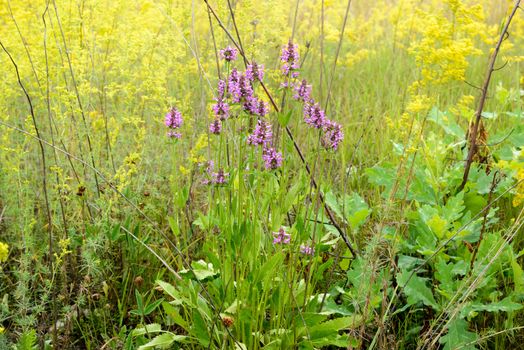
238	174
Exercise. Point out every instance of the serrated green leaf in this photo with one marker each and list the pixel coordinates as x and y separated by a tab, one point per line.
162	341
458	336
330	328
416	290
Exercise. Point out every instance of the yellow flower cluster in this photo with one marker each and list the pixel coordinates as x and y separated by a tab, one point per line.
4	251
516	166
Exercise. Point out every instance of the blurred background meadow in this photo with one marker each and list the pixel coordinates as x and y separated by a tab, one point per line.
114	235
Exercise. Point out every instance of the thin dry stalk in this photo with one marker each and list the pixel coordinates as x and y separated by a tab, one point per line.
473	147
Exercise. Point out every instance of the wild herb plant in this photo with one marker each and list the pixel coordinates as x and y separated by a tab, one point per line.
306	188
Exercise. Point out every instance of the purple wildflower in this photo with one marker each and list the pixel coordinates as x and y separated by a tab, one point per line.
241	90
221	109
262	108
290	57
229	54
174	134
314	115
307	249
303	92
256	106
272	158
221	89
173	120
281	237
215	127
255	72
220	177
261	135
333	135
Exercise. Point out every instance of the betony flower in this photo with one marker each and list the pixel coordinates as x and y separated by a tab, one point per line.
281	237
173	121
254	72
174	134
333	135
241	90
229	54
314	115
307	249
221	89
272	158
303	92
221	109
255	106
173	118
215	127
220	177
290	57
262	134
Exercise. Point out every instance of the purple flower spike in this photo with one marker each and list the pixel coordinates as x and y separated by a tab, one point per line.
333	135
173	118
174	134
291	58
173	121
215	127
229	54
314	115
220	177
221	89
303	92
240	87
272	158
221	110
307	250
281	237
255	72
261	135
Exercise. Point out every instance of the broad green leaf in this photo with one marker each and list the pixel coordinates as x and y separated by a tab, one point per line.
331	327
505	305
199	329
458	336
200	270
356	210
171	291
148	328
162	341
151	307
416	290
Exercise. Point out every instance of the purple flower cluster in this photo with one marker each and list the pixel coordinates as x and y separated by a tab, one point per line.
302	92
281	237
255	106
262	134
272	158
173	121
215	127
229	54
255	72
307	249
291	58
333	135
221	107
314	115
219	177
